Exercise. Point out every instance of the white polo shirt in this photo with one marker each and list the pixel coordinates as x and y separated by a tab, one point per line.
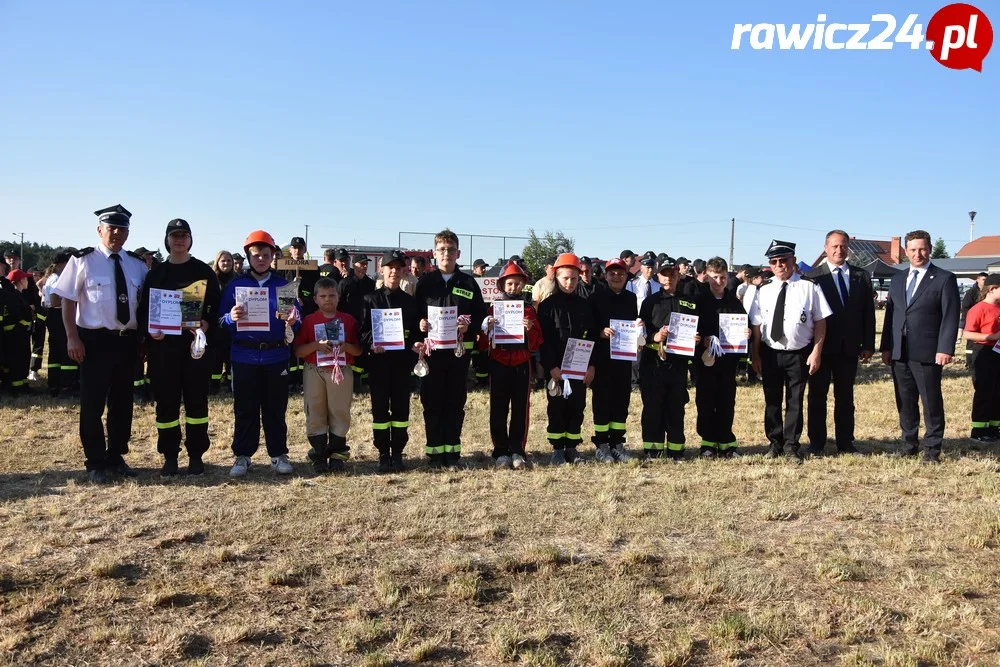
804	306
90	282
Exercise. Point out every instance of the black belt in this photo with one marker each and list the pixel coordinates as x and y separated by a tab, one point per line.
250	345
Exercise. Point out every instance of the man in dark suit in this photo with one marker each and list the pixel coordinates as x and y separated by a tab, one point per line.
850	335
918	339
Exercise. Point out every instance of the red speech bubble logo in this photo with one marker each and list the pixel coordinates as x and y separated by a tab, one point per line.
962	36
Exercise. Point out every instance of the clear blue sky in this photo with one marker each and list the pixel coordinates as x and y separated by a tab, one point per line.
623	124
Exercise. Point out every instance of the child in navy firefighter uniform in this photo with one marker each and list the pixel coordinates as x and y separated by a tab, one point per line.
327	400
63	372
177	375
663	374
612	388
389	370
307	305
17	334
509	371
715	393
565	315
259	361
443	391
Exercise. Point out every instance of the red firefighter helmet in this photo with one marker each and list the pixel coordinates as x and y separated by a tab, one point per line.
259	237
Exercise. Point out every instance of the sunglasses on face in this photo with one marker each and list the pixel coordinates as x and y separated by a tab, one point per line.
780	260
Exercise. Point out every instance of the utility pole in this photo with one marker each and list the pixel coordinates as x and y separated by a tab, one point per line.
21	234
732	241
307	237
972	225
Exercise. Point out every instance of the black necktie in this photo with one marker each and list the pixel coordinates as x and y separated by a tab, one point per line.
121	290
842	286
778	322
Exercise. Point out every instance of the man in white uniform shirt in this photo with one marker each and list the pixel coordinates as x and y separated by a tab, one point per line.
100	289
787	317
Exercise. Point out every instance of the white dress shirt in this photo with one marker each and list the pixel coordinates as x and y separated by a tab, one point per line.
90	282
804	306
921	273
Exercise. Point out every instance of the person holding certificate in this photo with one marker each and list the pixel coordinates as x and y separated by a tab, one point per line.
169	326
453	300
616	315
663	373
261	334
715	388
513	334
568	332
327	343
390	360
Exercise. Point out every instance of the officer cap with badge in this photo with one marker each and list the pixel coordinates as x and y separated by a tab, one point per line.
114	216
779	249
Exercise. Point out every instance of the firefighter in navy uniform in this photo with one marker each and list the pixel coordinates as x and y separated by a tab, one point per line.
100	291
353	290
564	315
177	376
17	317
663	375
715	387
63	372
444	390
389	370
612	385
480	357
307	285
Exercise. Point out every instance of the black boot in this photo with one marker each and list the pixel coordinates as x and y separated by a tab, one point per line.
339	452
397	461
384	463
319	453
169	468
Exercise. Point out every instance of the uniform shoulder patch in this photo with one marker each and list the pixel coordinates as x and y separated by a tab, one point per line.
132	254
83	252
807	278
767	282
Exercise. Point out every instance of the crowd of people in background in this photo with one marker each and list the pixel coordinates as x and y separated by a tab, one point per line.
805	332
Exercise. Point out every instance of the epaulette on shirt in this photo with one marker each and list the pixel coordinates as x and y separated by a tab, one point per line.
83	252
767	282
132	254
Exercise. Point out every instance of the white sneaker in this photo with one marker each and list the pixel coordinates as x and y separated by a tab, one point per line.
504	462
603	455
518	462
281	465
32	376
240	467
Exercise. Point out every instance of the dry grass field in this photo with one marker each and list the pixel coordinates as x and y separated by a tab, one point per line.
845	561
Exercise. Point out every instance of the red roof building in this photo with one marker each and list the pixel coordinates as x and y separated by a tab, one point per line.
862	252
984	246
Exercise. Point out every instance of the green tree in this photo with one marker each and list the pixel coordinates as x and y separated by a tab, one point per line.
539	248
939	251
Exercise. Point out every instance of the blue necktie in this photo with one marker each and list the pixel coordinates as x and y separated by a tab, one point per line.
842	286
912	286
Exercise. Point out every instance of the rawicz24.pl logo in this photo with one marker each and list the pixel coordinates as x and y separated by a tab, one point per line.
958	36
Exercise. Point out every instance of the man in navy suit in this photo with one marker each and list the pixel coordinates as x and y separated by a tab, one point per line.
850	336
918	339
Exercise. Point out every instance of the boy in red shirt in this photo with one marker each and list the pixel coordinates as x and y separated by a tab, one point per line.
327	380
510	373
982	326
